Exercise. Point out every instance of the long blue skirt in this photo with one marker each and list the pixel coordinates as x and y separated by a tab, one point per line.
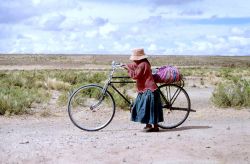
147	108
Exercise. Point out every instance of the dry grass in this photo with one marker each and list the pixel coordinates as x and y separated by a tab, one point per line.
64	73
54	84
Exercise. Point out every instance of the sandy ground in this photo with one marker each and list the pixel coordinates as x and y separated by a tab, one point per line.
210	135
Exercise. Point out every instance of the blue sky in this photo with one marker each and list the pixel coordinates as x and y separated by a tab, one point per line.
169	27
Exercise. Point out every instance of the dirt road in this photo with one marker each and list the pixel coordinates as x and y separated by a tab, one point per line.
210	135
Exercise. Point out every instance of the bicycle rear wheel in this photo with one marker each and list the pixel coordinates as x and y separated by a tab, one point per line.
89	109
176	105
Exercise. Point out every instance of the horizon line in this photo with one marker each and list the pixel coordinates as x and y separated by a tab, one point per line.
106	54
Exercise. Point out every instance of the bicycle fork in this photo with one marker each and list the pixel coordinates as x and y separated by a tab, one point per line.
102	96
105	88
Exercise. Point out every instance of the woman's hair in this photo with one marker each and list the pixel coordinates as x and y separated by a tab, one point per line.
139	61
146	60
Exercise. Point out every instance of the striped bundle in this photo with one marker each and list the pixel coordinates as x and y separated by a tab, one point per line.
166	74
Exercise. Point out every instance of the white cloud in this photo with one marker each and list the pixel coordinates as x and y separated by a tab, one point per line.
241	41
91	34
202	46
51	21
36	2
233	51
107	29
152	47
237	31
180	48
101	47
121	48
135	29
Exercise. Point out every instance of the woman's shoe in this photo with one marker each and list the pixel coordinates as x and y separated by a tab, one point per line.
148	126
153	130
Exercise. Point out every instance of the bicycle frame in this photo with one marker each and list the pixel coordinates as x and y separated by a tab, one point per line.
121	82
110	82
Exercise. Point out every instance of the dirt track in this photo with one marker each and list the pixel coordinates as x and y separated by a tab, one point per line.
208	136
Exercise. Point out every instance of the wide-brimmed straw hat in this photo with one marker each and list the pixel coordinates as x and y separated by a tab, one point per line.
138	54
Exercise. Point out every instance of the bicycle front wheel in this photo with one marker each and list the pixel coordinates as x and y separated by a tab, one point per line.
90	109
176	105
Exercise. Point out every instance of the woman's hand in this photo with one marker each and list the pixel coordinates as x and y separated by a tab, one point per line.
124	66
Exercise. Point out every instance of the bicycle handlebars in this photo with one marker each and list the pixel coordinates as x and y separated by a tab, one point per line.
116	64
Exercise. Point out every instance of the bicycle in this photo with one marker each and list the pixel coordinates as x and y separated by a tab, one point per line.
92	107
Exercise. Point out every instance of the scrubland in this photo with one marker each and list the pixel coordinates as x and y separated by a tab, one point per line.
28	79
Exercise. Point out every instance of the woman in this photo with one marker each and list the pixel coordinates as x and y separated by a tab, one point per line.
147	108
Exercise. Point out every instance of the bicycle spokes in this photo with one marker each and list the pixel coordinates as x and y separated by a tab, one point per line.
92	107
171	95
176	94
176	105
89	109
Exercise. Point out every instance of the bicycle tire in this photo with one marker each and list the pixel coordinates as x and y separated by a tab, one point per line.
89	110
176	105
